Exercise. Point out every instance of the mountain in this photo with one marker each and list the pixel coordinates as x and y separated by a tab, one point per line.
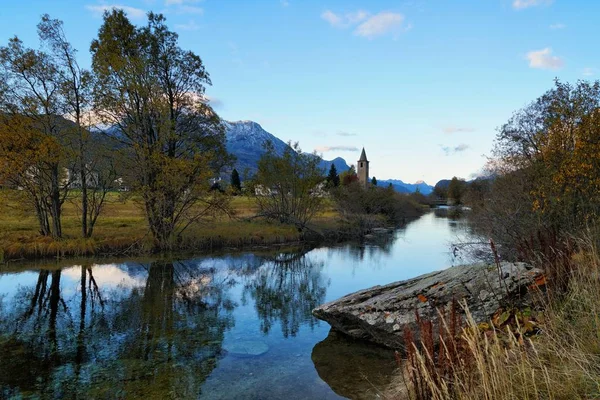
245	140
402	187
398	188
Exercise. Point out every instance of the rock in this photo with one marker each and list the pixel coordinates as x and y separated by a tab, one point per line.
381	314
247	348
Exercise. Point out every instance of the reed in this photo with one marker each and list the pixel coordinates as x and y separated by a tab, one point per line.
558	360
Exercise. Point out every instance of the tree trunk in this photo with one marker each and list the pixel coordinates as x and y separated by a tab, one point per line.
55	203
42	216
85	232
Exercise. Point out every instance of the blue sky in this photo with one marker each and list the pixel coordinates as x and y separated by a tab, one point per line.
422	84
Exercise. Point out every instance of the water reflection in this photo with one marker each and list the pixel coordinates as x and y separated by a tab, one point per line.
286	290
182	329
161	339
354	369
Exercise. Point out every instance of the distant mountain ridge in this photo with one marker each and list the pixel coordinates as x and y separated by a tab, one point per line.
403	187
246	139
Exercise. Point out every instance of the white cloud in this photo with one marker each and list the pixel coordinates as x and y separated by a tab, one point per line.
325	149
589	71
183	9
214	101
356	17
345	20
543	59
379	24
557	26
449	150
345	134
284	3
131	11
367	25
108	276
457	129
180	2
522	4
332	18
190	26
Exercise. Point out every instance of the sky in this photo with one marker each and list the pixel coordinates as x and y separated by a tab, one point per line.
423	85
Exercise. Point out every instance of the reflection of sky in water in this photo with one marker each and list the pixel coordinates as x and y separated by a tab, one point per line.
250	281
422	247
108	276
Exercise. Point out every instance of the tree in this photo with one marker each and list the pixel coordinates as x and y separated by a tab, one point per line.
440	190
151	92
556	139
363	209
75	85
545	173
34	136
456	189
289	185
374	181
333	179
236	184
348	177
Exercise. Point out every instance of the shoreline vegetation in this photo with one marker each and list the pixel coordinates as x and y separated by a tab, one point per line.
123	231
539	204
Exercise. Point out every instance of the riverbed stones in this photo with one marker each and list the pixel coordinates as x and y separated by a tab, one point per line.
247	348
381	314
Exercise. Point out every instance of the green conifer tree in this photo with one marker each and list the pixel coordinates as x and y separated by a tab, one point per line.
236	184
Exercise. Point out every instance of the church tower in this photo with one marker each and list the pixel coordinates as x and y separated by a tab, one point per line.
362	169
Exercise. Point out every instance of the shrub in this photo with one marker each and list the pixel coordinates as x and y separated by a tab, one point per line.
356	203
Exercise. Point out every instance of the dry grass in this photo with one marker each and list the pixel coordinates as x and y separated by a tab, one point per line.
562	362
122	229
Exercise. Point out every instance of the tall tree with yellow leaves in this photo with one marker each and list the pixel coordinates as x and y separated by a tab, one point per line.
556	139
33	133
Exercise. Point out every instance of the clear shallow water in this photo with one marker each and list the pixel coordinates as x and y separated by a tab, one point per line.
219	327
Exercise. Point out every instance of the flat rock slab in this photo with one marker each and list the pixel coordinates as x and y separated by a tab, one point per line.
381	314
247	348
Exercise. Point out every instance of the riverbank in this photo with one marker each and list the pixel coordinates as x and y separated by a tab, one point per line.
205	303
122	230
552	353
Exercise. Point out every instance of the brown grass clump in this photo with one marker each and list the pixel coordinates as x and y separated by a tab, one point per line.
560	359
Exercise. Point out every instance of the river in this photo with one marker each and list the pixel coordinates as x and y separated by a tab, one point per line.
232	326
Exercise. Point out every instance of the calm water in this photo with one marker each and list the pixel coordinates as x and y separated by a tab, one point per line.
227	327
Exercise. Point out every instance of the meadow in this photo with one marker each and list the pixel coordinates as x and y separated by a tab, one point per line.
122	229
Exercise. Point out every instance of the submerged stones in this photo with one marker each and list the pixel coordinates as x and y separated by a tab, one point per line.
246	348
382	313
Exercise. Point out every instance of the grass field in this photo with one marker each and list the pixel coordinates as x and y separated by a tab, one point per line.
122	229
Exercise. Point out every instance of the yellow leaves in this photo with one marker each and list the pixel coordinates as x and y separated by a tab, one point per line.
519	322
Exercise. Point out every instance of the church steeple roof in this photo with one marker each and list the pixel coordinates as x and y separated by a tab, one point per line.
363	155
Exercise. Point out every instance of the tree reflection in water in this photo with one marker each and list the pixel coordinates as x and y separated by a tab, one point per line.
285	290
162	339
